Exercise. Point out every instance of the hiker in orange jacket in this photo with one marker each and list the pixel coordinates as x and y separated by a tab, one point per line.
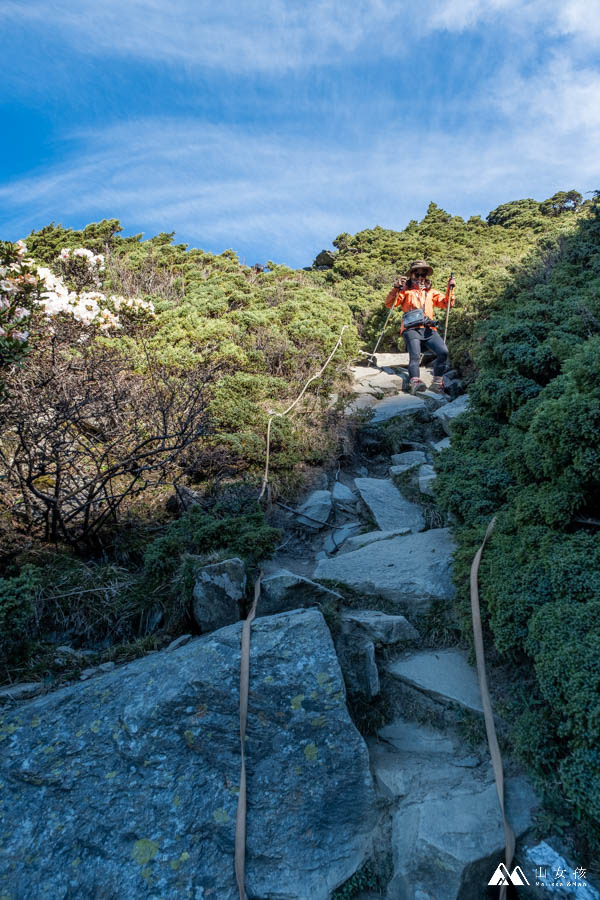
416	298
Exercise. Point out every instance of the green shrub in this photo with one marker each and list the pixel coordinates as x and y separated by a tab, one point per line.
18	607
527	451
198	532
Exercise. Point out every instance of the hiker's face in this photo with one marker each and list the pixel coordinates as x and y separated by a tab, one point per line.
419	276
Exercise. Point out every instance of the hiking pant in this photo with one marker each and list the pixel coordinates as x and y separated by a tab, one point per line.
415	338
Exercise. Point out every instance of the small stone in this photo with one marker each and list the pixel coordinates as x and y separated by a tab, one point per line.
393	360
359	373
426	479
371	673
414	570
360	403
20	691
106	666
443	674
87	673
284	590
336	538
410	458
468	762
315	511
388	771
68	651
378	626
178	642
343	496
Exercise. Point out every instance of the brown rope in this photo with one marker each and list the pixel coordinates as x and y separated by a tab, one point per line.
509	835
240	819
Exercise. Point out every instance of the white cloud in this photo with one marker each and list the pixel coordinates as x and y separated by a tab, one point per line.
220	187
263	35
580	18
560	100
282	35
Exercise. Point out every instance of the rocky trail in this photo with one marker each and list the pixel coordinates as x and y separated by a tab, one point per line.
125	785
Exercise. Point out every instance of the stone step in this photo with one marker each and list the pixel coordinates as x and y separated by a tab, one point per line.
370	537
392	360
378	626
360	404
444	675
400	405
447	822
409	459
284	590
449	411
410	572
383	381
388	507
447	842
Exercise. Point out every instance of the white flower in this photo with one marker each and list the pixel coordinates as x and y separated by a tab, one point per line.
21	248
20	336
65	253
2	331
82	251
21	313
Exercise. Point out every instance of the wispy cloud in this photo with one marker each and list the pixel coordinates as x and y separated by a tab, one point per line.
220	187
281	35
517	81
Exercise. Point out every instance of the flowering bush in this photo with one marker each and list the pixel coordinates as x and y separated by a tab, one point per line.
30	296
20	288
80	266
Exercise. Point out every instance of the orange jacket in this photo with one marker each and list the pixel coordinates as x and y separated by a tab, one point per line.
413	298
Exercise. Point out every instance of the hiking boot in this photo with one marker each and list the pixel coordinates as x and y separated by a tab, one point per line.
417	385
437	386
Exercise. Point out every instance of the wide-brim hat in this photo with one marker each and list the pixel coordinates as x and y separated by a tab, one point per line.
419	264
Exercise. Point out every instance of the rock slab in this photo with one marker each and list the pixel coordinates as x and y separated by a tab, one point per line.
443	674
388	507
411	571
401	405
127	786
443	844
284	590
447	833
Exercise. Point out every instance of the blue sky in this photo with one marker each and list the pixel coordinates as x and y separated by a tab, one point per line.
270	127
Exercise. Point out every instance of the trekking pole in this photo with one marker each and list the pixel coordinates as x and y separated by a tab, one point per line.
450	298
387	318
372	355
